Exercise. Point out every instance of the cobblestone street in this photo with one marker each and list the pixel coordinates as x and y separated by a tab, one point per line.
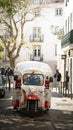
61	112
59	117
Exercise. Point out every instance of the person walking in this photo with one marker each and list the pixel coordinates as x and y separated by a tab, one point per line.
66	83
67	79
58	76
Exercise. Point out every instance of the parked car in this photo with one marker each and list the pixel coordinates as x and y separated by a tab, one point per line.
2	87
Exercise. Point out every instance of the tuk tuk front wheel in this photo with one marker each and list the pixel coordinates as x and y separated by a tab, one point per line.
32	105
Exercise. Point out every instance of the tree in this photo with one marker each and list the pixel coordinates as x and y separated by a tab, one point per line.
13	16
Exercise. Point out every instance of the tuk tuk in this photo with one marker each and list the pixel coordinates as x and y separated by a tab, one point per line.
32	91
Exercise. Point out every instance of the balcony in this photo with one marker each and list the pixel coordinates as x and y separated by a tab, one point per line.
36	39
67	40
36	58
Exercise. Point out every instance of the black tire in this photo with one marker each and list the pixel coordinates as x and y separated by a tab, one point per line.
3	95
33	106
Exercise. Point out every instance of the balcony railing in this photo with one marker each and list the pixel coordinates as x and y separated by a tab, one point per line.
36	39
67	39
36	58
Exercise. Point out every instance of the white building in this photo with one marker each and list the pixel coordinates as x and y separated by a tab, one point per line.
67	41
42	41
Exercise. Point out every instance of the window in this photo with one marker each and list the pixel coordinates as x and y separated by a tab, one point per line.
37	32
55	50
37	12
68	24
66	2
58	12
33	79
70	21
37	1
65	26
35	52
38	52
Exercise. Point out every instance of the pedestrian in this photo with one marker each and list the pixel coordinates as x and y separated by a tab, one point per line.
2	70
18	83
67	80
9	83
8	77
58	76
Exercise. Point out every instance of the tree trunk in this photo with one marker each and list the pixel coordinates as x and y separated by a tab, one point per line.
12	63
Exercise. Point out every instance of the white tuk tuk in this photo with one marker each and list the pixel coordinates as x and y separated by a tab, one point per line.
32	91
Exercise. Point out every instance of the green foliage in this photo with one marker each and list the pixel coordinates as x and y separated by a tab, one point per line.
1	49
7	6
6	3
0	20
10	6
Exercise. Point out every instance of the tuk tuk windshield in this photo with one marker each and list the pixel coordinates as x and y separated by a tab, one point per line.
33	79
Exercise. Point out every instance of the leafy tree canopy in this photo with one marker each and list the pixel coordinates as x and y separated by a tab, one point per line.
10	6
13	16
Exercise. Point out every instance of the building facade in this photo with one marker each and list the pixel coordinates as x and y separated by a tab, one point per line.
43	42
67	41
43	34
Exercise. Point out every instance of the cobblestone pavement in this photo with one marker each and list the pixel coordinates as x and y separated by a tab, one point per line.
61	112
17	122
13	120
59	117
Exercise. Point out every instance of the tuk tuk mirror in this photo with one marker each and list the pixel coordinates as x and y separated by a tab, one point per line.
15	77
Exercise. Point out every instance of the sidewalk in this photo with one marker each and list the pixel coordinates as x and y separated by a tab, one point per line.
61	111
61	102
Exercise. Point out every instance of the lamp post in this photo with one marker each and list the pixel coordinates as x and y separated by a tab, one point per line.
63	57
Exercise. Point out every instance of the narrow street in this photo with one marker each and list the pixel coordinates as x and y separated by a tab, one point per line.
36	50
59	117
12	120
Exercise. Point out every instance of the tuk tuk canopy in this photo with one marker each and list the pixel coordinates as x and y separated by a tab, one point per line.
23	67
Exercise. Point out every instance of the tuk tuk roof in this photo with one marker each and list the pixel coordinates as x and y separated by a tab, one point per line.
22	67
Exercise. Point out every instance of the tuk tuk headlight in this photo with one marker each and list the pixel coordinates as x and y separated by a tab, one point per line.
32	90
